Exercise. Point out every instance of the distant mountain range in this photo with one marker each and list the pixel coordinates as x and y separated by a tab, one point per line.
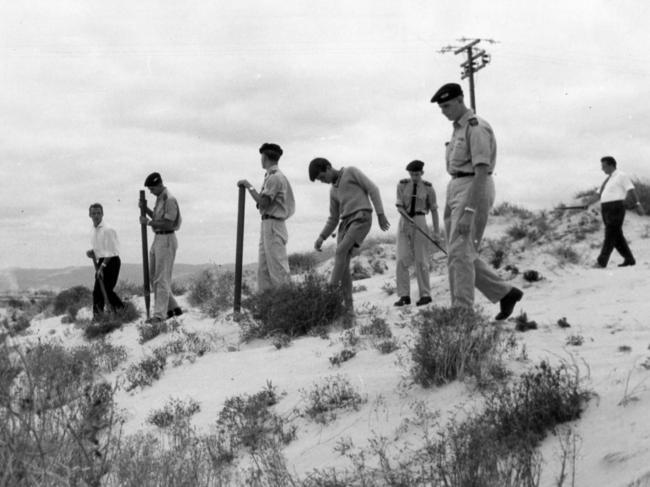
20	280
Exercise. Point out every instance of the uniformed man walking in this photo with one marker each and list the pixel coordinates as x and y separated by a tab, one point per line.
105	253
350	197
471	158
276	204
417	198
165	221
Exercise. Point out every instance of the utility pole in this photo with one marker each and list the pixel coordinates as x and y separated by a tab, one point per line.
477	59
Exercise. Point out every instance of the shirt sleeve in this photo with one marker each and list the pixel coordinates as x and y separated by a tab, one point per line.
398	199
626	182
480	144
333	219
370	188
431	199
170	210
272	186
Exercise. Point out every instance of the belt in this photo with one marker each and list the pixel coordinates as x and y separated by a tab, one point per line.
271	217
164	232
461	174
417	213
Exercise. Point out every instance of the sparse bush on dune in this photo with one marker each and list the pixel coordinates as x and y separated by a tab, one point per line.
565	254
293	309
451	343
324	400
509	209
127	289
145	372
642	187
301	262
174	412
496	251
213	291
15	323
518	230
105	323
72	300
149	331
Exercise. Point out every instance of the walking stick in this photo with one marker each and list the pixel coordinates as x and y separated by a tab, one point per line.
145	255
239	252
419	229
101	283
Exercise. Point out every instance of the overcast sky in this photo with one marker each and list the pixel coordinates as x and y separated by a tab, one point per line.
94	95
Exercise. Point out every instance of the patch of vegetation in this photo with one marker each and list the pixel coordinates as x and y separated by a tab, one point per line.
294	309
107	356
145	372
149	331
72	300
342	356
105	323
213	291
575	340
324	400
189	344
496	251
522	323
565	254
389	288
642	187
360	271
386	346
248	422
302	262
451	343
532	276
16	323
377	327
509	209
378	266
518	230
175	412
129	289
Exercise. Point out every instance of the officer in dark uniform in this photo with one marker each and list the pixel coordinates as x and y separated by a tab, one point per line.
416	198
471	158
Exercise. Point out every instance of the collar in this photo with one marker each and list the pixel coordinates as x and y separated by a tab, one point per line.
336	182
462	121
271	169
100	226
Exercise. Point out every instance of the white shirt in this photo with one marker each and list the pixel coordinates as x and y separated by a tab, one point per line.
104	241
616	188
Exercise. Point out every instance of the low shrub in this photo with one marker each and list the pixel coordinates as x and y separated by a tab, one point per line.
386	345
179	288
149	331
377	327
642	187
213	291
522	323
190	343
495	251
451	343
509	209
107	322
145	372
174	412
72	300
323	400
518	230
389	288
108	356
360	271
16	323
248	422
575	340
342	356
302	262
295	308
128	289
565	254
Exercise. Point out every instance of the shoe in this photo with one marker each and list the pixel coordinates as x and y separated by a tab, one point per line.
423	300
627	263
403	301
508	303
598	265
174	312
154	320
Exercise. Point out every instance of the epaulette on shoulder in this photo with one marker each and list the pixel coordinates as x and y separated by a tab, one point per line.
427	183
404	181
473	121
272	171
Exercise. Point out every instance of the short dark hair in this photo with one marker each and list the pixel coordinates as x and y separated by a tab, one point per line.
609	160
96	205
272	156
317	166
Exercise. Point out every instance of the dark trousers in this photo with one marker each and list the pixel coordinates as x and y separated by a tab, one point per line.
613	215
111	273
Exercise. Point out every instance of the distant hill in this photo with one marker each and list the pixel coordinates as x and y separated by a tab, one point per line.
19	279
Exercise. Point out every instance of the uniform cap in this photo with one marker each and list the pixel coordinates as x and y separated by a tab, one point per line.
154	179
415	166
271	149
447	92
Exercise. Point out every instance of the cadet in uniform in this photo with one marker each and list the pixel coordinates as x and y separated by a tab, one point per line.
350	208
471	158
165	221
276	203
417	198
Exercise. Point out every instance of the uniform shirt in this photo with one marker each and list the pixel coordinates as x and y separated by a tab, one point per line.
166	208
104	241
472	143
616	187
276	186
425	197
352	192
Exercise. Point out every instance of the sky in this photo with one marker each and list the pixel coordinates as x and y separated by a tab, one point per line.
95	95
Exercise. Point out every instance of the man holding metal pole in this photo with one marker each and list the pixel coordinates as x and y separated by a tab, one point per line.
165	221
471	159
415	199
105	254
276	204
